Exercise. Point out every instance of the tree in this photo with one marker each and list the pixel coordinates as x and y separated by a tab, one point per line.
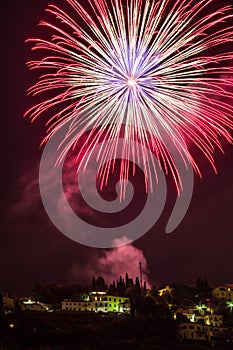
1	301
121	287
180	292
112	289
2	313
132	306
153	292
180	318
202	285
126	279
36	292
93	284
149	306
137	287
100	284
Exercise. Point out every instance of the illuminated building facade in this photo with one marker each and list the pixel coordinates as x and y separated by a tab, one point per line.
194	331
224	292
214	320
98	302
202	332
34	305
166	290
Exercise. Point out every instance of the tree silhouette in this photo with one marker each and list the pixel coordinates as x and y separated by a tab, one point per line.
1	301
93	284
149	306
100	284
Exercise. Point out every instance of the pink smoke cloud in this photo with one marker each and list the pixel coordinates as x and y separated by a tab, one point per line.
28	196
112	263
121	260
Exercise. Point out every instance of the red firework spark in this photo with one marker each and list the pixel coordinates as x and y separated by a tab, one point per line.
147	71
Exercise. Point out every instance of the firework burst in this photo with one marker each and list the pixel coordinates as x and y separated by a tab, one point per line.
152	71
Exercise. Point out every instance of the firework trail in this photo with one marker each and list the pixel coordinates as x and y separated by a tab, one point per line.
148	71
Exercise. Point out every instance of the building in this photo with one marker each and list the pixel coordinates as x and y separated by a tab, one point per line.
113	303
98	302
8	303
73	305
209	320
193	331
200	314
34	305
214	320
167	290
224	292
189	313
201	332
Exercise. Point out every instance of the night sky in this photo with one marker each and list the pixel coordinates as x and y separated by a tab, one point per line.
32	249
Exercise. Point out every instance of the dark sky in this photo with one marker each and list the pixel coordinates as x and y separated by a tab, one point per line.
32	250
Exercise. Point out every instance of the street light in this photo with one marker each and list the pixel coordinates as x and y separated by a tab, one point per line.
230	305
201	308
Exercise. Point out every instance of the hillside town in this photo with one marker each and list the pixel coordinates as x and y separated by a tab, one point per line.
198	314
